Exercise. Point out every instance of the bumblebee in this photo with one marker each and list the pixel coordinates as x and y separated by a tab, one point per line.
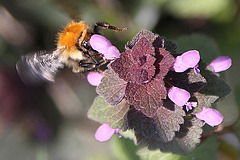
73	50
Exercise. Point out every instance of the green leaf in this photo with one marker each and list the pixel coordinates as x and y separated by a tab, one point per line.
112	88
146	154
195	78
168	118
215	85
188	137
124	149
185	141
103	112
205	151
204	101
161	127
128	134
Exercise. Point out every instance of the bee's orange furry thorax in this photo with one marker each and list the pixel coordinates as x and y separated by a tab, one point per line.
68	38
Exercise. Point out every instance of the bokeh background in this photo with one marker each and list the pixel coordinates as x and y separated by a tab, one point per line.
49	122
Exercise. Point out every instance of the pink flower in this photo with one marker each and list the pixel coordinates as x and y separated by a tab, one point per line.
178	96
221	64
211	116
94	78
105	132
104	46
187	60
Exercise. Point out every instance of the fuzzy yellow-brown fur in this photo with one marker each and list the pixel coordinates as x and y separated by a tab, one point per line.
72	35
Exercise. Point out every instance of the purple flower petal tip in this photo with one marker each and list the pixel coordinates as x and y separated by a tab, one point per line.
104	133
189	105
178	96
112	53
196	69
94	78
99	43
221	63
187	60
211	116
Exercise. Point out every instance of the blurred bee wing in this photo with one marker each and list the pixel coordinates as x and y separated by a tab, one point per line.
39	67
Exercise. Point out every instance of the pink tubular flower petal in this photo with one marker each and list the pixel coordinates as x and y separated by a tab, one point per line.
112	53
187	60
190	58
104	46
178	96
94	78
99	43
104	132
178	65
221	63
211	116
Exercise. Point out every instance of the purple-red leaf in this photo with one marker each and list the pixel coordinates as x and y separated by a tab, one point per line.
165	62
136	65
147	34
147	97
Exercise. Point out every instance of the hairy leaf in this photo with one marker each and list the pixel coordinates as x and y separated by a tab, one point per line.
169	118
204	101
165	61
184	142
215	85
147	97
103	112
155	39
112	88
136	65
147	34
161	127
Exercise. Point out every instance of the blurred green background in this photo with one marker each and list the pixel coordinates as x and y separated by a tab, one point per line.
49	122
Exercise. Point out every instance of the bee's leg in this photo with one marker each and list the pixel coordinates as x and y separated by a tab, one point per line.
87	65
93	58
105	25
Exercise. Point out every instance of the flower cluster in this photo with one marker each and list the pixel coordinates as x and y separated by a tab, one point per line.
163	96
